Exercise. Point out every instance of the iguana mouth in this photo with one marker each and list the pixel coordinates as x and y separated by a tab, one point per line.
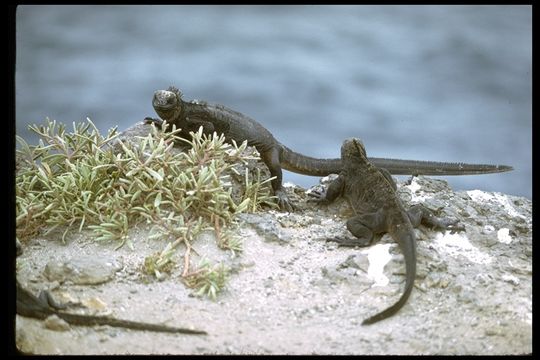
163	106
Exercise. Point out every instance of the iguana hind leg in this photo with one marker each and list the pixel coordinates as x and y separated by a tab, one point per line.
363	227
271	159
419	214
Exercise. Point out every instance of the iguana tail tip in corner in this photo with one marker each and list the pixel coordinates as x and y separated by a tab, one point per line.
43	306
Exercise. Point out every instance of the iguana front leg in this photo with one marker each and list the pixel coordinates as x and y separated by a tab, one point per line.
388	177
156	121
271	159
329	194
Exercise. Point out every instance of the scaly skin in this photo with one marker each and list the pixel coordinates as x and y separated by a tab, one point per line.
371	193
41	307
189	116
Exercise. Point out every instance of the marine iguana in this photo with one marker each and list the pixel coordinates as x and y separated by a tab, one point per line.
189	116
371	193
43	306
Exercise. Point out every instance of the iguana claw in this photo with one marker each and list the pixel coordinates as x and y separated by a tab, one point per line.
155	121
318	197
284	202
350	242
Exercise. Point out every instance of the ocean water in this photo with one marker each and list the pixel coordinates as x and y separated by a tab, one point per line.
443	83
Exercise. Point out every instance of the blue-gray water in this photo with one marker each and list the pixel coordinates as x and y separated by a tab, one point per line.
446	83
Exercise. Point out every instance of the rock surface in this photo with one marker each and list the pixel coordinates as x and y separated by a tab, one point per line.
291	292
82	270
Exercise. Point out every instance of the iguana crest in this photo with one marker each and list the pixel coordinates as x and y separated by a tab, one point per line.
176	91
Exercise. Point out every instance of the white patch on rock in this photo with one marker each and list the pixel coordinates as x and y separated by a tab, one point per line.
510	279
457	244
482	196
505	202
328	179
479	195
414	187
378	256
503	236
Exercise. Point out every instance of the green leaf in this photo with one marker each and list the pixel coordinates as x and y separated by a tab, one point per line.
155	174
157	200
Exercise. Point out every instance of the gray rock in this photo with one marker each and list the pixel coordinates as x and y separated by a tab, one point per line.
82	270
356	261
292	220
267	227
53	322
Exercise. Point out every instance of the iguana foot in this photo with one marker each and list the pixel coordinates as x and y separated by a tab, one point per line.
318	197
350	242
455	227
155	121
419	214
445	224
284	202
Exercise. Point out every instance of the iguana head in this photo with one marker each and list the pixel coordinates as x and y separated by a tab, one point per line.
168	103
353	150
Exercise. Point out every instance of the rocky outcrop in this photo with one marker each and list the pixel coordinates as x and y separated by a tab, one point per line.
292	292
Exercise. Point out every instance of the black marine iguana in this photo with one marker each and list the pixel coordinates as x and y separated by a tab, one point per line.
43	306
372	195
189	116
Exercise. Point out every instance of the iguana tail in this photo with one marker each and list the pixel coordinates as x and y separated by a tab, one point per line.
417	167
306	165
90	320
407	243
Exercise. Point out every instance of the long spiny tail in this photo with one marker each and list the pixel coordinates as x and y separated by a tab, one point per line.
307	165
88	320
408	247
417	167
